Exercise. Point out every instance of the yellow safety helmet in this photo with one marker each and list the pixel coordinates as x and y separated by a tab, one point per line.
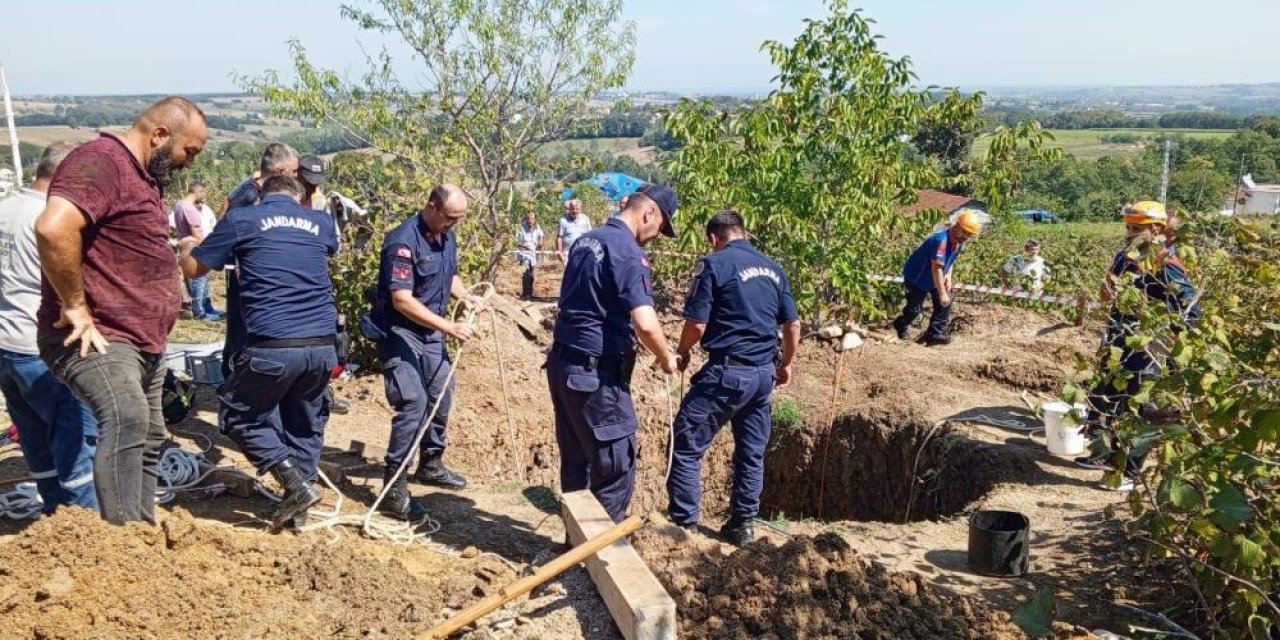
970	220
1145	212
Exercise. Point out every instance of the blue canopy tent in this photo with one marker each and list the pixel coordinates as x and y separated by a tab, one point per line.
615	185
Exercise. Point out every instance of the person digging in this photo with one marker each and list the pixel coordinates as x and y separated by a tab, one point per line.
1147	262
927	274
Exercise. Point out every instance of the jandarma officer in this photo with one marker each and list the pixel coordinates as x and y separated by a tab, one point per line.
282	249
606	303
737	302
417	276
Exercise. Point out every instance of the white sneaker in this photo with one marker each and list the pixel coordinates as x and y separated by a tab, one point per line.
1126	484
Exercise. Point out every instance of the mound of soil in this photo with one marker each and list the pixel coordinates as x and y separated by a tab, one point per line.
811	588
74	576
1035	374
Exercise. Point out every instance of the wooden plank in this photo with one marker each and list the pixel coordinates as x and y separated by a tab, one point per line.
238	482
333	470
531	329
368	451
642	609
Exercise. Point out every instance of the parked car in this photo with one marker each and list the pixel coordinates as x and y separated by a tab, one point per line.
1039	215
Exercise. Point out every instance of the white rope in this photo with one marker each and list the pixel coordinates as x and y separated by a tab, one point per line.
371	523
21	503
671	425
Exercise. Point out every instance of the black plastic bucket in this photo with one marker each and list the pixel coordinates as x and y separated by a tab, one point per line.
998	543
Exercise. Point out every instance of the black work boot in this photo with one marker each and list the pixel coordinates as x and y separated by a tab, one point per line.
299	495
299	521
339	406
937	341
431	471
398	503
901	330
738	531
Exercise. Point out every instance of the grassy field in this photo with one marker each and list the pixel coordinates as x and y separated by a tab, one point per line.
607	145
1085	144
44	136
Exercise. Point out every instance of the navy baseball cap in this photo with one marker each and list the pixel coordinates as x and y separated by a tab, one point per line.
665	197
311	169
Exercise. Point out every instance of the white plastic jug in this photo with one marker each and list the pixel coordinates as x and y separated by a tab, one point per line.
1062	439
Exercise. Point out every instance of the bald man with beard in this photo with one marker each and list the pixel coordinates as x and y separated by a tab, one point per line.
110	292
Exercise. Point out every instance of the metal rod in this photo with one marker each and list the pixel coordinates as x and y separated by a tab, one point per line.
13	130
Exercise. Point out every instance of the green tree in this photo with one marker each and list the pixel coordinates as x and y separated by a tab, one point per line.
503	78
1210	500
821	167
948	129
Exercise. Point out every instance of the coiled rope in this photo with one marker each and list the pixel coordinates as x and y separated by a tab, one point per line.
380	527
22	502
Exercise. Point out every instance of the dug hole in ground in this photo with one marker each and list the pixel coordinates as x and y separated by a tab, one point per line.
875	515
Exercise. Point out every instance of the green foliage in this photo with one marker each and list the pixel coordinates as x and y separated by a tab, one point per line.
385	190
30	154
1211	499
503	78
819	168
786	413
220	167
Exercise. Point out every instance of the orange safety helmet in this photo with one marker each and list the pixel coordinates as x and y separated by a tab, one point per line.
1145	212
969	220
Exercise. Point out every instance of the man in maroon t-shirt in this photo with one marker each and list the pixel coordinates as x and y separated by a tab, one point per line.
110	293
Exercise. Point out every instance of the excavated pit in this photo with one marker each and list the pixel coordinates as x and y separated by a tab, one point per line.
883	468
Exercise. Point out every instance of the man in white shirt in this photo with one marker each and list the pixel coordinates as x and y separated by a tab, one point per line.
58	435
190	221
1026	271
573	225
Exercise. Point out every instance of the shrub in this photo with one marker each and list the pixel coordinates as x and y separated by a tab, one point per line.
786	413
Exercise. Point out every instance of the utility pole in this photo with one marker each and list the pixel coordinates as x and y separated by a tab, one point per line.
1164	174
13	131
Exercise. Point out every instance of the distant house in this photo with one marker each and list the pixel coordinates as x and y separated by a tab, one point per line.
928	199
1256	198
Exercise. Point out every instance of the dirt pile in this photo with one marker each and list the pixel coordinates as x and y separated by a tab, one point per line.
74	576
811	588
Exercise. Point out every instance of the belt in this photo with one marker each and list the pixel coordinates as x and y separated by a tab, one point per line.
584	359
730	361
285	343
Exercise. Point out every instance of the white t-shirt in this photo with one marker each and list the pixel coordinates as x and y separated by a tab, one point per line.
19	271
572	229
208	219
1021	270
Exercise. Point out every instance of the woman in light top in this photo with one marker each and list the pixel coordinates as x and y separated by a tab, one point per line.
528	242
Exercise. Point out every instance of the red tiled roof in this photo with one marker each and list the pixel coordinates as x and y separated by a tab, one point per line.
930	199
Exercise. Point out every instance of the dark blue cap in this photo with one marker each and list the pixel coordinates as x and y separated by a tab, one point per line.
665	197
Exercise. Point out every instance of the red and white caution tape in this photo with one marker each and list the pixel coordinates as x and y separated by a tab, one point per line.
1008	292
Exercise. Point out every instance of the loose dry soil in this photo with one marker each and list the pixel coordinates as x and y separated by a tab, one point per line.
873	503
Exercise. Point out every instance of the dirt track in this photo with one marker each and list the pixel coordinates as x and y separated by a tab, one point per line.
891	396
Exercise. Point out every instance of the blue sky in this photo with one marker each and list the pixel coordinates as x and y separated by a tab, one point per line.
136	46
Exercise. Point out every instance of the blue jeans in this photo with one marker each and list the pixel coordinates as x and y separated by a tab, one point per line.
201	303
57	434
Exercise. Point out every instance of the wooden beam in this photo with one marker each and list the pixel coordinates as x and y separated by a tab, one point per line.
532	329
238	482
367	450
642	609
333	470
